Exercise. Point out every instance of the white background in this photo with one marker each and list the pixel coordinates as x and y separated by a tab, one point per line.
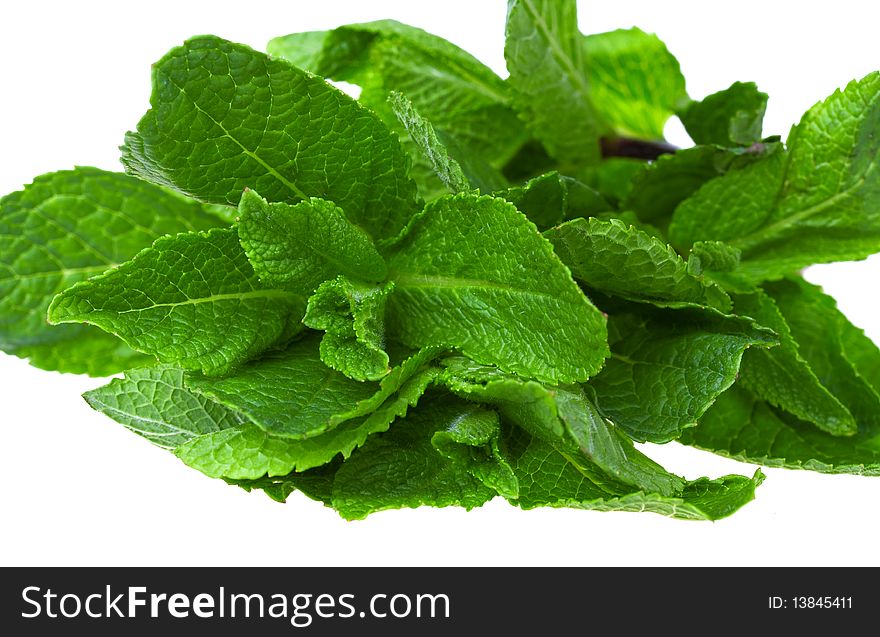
78	488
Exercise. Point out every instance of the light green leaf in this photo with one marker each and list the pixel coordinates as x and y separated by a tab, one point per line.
785	214
730	206
635	82
448	86
621	260
154	403
546	478
732	117
353	316
551	198
403	469
499	294
191	299
249	452
63	228
422	133
303	50
783	378
566	419
668	366
299	247
472	440
549	75
658	187
714	256
743	427
226	118
817	326
289	394
293	394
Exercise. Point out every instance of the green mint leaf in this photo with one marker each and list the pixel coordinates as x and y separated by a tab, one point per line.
551	198
546	478
660	186
861	351
191	299
614	178
667	367
817	325
448	86
299	247
89	351
743	427
293	394
316	484
257	122
404	469
249	452
422	133
635	82
289	394
564	417
500	296
63	228
353	315
549	75
779	211
472	440
732	205
732	117
154	403
714	256
304	50
621	260
783	378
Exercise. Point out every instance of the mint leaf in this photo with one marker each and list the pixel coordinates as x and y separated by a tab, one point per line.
546	478
447	85
191	299
565	418
289	394
781	212
660	186
783	378
423	135
623	261
249	452
714	256
817	325
61	229
500	296
299	247
743	427
256	122
316	484
154	403
547	61
353	315
635	82
403	469
730	206
732	117
551	198
667	367
435	148
472	440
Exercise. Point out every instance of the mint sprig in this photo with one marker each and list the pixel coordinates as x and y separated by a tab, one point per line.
459	287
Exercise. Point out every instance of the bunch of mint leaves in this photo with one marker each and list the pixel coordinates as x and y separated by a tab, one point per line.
459	287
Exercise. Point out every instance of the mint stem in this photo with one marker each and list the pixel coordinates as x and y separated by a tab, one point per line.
635	148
